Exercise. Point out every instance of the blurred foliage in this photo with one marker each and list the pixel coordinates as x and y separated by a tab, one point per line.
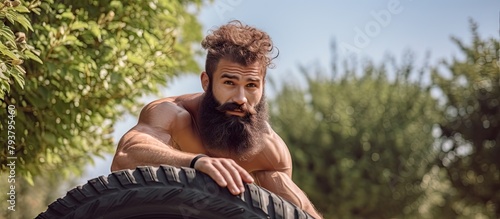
98	58
470	143
361	138
14	48
372	142
32	200
361	141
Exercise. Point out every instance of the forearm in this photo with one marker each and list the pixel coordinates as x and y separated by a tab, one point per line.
281	184
148	151
142	155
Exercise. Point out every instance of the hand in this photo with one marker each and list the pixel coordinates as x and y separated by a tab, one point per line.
225	172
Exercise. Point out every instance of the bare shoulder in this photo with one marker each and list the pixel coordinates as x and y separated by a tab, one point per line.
159	120
170	121
168	113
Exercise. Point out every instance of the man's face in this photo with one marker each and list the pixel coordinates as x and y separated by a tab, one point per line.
233	113
234	83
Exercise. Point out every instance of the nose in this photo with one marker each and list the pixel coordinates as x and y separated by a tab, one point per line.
240	97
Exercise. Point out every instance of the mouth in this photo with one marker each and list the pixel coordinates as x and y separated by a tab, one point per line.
236	112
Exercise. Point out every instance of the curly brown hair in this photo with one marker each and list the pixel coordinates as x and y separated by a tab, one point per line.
238	43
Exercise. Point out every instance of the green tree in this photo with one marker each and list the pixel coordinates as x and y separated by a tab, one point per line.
14	48
98	58
470	147
361	139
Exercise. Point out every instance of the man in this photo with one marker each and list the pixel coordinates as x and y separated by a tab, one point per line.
228	122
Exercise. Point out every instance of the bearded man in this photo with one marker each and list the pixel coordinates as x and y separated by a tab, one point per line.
224	131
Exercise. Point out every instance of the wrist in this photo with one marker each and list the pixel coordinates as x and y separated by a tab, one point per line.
193	161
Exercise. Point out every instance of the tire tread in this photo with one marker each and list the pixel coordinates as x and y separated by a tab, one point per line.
183	186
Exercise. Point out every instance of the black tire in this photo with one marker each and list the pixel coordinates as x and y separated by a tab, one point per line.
167	192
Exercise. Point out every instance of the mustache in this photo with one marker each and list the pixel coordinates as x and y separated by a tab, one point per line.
232	106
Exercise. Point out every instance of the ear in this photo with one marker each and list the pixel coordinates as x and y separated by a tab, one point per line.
204	80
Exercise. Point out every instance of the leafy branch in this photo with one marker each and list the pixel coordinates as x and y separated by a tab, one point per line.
14	47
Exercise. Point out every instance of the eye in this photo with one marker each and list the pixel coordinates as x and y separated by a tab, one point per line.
252	85
228	82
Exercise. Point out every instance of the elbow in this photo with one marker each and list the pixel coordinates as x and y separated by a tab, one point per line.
118	162
114	166
121	158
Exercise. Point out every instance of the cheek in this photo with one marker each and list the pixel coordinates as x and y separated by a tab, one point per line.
255	97
219	95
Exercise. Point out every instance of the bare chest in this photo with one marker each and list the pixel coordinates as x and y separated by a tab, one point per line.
273	154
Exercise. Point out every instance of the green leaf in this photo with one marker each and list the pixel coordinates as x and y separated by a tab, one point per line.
19	75
11	17
94	28
79	25
7	33
71	39
32	56
151	39
24	22
68	15
135	59
4	50
36	11
22	9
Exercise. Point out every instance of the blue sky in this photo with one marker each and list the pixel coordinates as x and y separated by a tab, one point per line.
304	31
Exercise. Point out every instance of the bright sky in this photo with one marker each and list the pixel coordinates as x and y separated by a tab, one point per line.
303	33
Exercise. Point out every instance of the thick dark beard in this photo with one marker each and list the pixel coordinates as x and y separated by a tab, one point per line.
225	135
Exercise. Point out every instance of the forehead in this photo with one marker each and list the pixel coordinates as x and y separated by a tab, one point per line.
228	67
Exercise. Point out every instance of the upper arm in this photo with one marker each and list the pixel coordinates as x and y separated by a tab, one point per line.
152	135
162	136
163	116
156	121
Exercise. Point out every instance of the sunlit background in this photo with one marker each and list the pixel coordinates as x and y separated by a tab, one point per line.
391	103
304	32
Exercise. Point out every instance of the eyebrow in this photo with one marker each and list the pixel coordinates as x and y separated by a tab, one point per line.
236	77
230	76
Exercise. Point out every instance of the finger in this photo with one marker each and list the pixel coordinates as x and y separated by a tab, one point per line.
231	185
219	179
214	173
245	176
231	167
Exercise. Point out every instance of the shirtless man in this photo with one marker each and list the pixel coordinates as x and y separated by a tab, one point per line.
228	122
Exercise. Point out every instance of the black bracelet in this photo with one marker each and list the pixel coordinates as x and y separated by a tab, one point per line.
196	159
